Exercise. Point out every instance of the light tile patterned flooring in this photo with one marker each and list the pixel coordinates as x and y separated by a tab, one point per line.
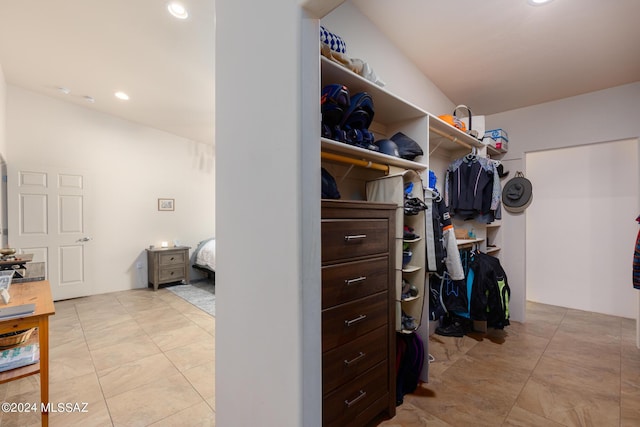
137	358
563	367
144	358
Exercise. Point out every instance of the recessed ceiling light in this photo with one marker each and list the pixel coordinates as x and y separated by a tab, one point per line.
178	10
538	2
64	90
89	99
121	95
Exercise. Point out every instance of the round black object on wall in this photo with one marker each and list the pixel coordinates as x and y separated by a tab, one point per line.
517	193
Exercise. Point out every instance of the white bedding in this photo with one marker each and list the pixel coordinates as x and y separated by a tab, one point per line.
206	255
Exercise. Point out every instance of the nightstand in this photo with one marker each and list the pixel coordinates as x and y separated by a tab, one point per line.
168	265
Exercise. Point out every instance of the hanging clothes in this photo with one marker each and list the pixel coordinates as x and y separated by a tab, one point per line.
442	251
636	261
488	291
472	189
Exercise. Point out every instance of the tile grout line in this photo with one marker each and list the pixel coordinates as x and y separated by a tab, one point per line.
535	367
169	359
95	371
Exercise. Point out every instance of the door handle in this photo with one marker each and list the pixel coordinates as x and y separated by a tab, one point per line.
84	239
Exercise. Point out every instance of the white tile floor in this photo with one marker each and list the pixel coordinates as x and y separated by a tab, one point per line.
144	358
137	358
563	367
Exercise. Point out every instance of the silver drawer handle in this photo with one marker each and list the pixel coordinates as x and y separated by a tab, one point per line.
355	359
356	320
356	400
349	282
355	237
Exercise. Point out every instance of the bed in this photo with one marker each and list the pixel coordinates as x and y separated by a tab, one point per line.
204	257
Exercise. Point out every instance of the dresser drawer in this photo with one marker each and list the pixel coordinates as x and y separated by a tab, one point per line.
171	274
352	280
346	362
170	258
344	323
342	407
351	238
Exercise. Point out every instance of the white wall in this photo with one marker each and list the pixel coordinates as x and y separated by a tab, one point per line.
581	227
602	116
268	264
131	167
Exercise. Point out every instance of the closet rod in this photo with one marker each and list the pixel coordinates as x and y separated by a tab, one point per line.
357	162
452	138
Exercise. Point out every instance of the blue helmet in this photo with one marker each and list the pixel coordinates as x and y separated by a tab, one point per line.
387	146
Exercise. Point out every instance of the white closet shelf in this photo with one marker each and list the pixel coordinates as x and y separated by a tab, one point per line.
412	240
331	146
411	268
467	242
449	137
388	108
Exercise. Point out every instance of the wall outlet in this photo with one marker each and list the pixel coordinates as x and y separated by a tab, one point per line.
138	265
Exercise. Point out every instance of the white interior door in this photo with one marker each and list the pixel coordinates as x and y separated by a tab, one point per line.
47	211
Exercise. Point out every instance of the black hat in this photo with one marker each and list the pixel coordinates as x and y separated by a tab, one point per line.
517	193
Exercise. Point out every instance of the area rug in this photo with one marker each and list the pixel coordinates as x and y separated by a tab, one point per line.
200	294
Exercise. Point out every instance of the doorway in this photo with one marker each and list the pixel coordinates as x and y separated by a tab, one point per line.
581	227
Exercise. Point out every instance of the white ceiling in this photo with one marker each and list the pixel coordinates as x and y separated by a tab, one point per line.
497	55
492	55
97	47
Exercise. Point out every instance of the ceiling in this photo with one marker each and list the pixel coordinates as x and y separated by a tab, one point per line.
492	55
498	55
97	47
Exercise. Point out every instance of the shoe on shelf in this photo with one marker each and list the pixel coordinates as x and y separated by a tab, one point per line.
408	234
408	322
406	258
408	290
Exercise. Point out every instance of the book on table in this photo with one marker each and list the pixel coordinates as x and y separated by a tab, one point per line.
15	311
17	357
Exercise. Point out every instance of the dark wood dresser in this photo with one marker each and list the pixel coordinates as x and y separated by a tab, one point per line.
358	312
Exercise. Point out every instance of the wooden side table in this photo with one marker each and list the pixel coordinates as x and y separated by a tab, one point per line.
168	265
38	293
